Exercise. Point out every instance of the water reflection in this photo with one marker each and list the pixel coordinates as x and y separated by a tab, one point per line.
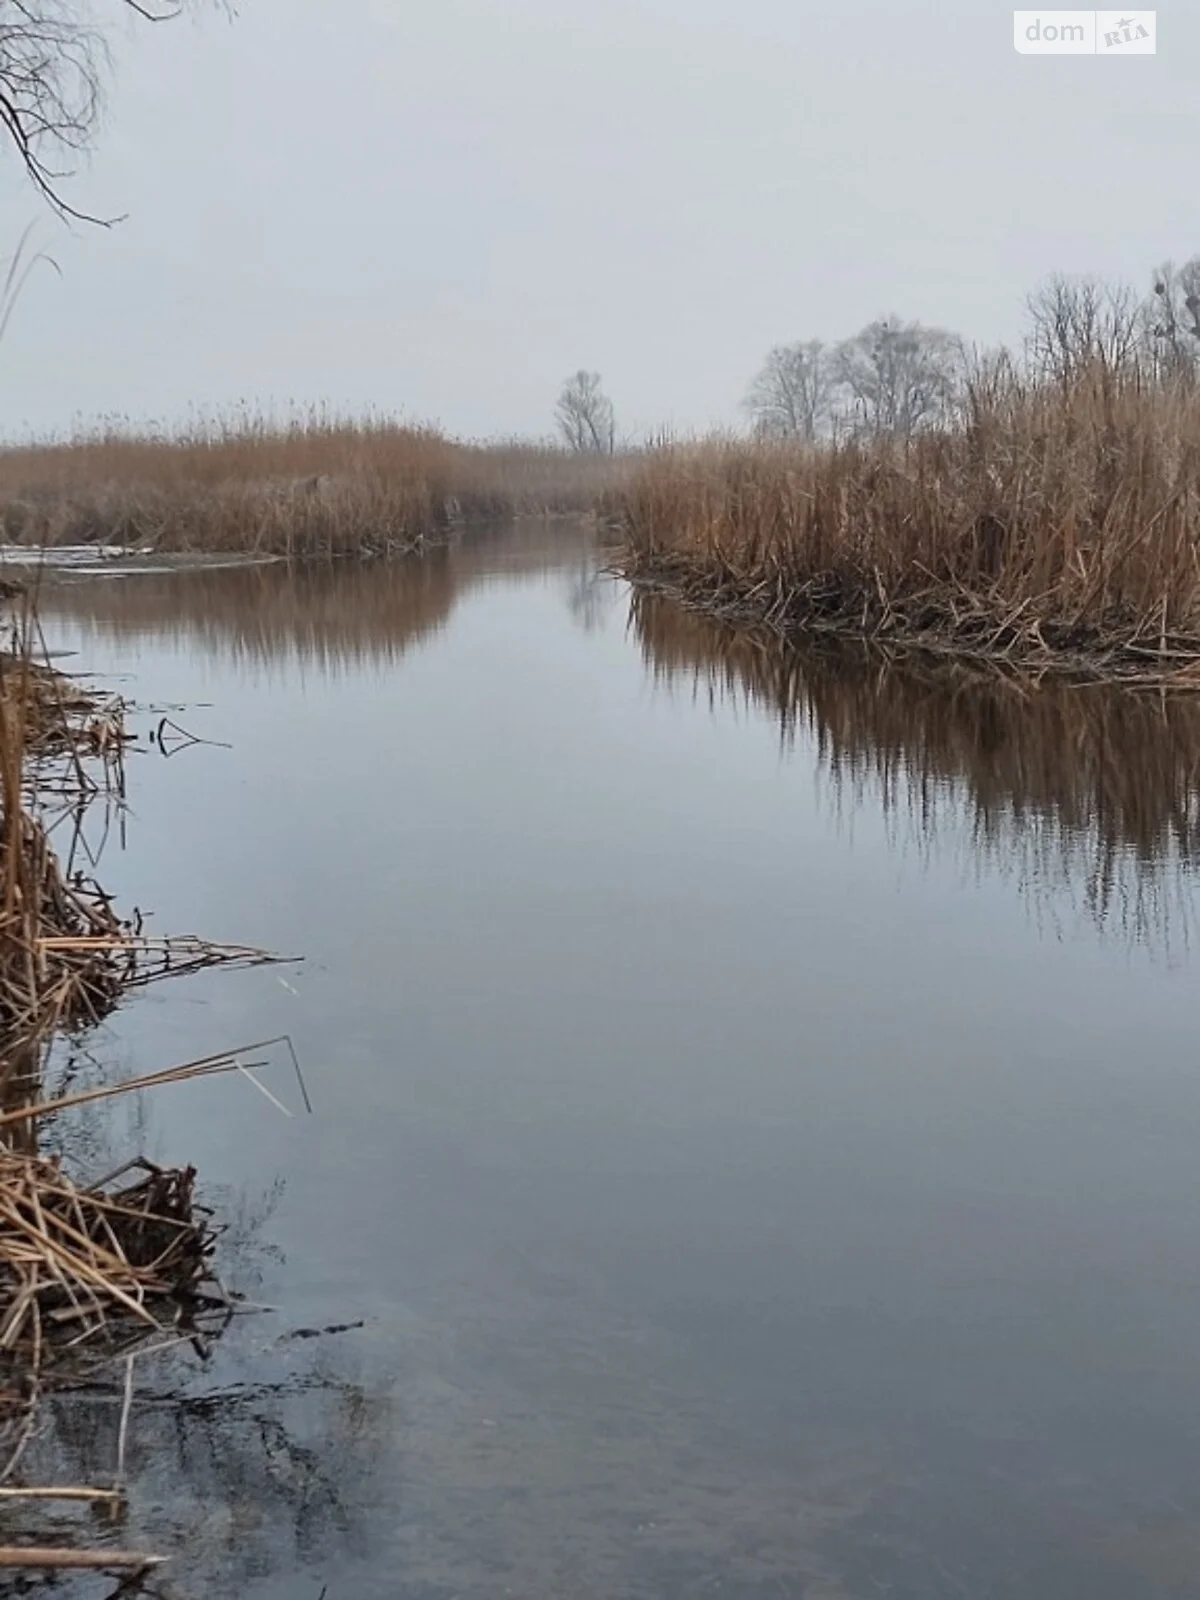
262	1473
1079	791
1086	797
727	1212
335	617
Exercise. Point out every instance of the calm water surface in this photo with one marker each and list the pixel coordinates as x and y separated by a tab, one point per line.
757	1102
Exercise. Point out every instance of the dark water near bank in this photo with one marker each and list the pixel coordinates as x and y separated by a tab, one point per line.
757	1102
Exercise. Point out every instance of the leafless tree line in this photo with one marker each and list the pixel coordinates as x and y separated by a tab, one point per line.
1084	322
895	379
891	378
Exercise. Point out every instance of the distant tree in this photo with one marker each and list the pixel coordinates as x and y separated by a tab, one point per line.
791	396
54	63
895	378
585	415
1079	322
1171	319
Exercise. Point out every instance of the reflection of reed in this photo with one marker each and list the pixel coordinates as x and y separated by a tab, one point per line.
324	614
261	1478
1087	789
259	1458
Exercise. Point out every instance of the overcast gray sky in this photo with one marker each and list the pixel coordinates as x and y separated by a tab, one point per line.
442	207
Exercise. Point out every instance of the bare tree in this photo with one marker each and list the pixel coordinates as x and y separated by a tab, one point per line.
1172	319
1080	322
895	378
54	64
790	398
585	415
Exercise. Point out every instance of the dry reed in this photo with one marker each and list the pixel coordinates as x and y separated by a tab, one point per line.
92	1272
321	486
1057	527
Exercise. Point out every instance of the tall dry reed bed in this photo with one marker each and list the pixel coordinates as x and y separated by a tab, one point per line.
1056	526
317	487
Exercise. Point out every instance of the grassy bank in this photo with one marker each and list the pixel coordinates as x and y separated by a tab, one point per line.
1056	525
319	486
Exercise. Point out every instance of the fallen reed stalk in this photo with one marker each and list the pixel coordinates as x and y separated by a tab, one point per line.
49	1558
204	1067
67	1494
77	1262
87	1269
1055	528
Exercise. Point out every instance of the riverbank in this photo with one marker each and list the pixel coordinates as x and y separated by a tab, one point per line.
1056	528
92	1273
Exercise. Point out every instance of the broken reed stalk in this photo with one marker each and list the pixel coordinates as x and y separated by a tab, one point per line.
99	1270
95	1271
77	1263
1054	527
203	1067
65	1494
46	1558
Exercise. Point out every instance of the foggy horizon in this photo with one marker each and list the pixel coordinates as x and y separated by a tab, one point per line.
442	214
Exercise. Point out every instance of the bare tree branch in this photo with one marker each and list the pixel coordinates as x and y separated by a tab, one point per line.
54	65
585	415
792	394
1172	320
1081	322
896	378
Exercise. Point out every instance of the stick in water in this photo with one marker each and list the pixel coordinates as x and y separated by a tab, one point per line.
95	1560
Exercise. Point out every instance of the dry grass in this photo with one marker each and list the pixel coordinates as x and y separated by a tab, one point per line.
320	486
1058	526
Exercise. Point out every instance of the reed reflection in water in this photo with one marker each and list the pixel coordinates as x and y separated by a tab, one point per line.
333	616
1086	796
1087	792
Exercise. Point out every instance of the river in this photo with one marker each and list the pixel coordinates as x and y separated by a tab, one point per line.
756	1104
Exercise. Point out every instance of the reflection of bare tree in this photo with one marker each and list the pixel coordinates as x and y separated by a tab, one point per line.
589	593
1093	792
